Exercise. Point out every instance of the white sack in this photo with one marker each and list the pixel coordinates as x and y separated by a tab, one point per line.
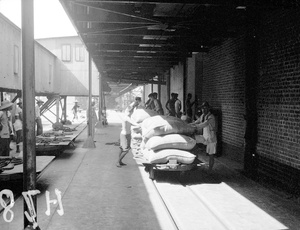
163	156
171	141
162	125
139	115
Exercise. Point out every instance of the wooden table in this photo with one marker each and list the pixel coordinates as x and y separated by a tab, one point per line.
55	147
17	172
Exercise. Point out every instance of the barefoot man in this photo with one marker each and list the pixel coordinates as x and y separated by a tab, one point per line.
125	135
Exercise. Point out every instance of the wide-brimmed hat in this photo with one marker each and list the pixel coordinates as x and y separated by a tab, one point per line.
5	104
39	102
19	102
205	104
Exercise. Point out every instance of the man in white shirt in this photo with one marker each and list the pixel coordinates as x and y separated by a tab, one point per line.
207	123
125	135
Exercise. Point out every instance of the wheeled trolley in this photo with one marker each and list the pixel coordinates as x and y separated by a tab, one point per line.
177	167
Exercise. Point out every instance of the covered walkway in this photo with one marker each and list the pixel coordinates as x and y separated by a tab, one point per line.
98	195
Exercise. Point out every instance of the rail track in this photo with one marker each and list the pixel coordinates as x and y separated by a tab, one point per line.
188	209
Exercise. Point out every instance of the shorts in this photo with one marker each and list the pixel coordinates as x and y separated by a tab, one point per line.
19	136
211	148
125	140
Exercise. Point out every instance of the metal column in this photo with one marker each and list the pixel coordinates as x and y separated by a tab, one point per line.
28	90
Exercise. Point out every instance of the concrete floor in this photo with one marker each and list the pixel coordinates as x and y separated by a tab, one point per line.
98	195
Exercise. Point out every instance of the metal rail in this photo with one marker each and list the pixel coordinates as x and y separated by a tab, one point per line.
198	201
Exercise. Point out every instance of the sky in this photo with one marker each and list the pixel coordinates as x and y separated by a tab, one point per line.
50	19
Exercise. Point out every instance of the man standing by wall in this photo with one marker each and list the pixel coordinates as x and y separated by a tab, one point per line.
207	122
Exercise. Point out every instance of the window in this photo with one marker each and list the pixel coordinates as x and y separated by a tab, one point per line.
79	53
16	60
66	53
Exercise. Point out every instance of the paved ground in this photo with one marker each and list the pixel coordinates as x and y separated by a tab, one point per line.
98	195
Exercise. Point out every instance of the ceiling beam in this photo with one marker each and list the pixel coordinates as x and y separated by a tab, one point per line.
196	2
131	47
135	54
95	39
139	81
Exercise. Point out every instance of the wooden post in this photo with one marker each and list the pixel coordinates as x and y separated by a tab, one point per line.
57	109
89	142
99	123
168	84
65	109
28	90
159	87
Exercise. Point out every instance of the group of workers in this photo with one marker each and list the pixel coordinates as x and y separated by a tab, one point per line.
204	123
173	105
11	125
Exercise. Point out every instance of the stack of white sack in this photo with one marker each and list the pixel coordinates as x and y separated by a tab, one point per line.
136	140
167	138
138	116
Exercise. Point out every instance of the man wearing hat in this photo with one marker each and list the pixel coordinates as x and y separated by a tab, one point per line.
38	120
75	110
149	102
207	123
5	107
157	104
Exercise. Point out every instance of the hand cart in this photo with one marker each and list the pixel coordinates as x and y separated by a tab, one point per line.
171	166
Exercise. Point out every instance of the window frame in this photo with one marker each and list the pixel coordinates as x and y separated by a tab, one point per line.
79	53
66	54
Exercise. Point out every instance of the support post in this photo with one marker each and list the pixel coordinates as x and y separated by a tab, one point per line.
168	84
57	109
144	94
28	90
159	87
251	158
65	109
89	142
99	123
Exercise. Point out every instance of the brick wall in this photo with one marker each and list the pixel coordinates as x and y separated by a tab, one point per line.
279	88
223	87
278	98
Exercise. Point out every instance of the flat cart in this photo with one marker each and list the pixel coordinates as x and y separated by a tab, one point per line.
175	167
